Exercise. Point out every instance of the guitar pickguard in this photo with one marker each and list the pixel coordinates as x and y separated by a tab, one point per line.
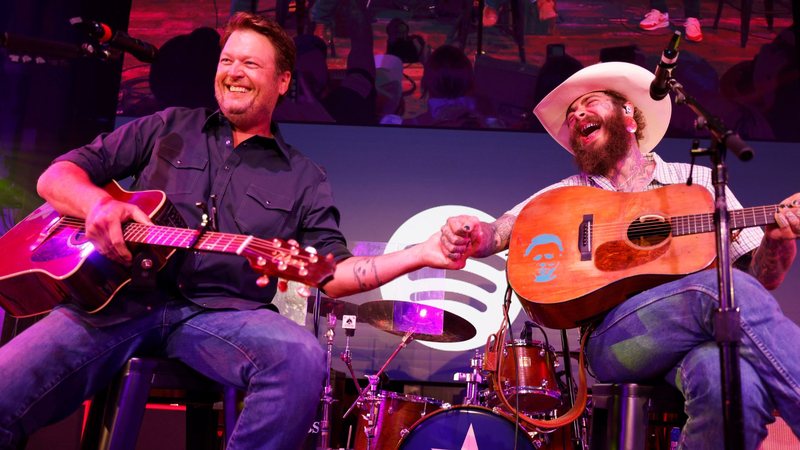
620	255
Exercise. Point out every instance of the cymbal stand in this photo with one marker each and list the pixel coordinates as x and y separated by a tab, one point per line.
373	379
349	325
327	396
473	379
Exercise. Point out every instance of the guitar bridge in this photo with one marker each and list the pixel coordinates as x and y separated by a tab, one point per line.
585	237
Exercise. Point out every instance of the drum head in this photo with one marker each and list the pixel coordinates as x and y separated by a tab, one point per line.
465	427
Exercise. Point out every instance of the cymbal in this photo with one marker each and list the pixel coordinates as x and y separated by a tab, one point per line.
331	305
427	322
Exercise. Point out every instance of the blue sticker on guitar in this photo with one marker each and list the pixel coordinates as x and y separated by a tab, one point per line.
546	251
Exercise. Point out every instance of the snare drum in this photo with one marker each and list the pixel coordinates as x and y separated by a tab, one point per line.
392	414
472	427
537	388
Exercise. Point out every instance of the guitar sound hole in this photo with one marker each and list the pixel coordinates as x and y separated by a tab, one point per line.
79	237
648	231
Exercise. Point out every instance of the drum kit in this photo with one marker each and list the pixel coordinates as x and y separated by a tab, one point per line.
485	419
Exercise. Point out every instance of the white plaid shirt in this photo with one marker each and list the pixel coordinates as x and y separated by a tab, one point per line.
666	173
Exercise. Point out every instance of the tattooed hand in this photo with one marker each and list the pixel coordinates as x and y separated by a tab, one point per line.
787	220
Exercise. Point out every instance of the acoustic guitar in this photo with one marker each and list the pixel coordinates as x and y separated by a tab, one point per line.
576	252
48	258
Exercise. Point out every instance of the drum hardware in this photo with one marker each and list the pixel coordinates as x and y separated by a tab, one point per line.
349	326
387	416
372	385
580	427
327	395
473	379
578	407
383	409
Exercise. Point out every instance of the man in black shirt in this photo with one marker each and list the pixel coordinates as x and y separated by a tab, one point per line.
208	310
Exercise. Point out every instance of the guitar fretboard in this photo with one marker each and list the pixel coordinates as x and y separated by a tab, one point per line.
740	218
184	238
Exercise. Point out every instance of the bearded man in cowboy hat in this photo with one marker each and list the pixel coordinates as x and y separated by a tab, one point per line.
604	116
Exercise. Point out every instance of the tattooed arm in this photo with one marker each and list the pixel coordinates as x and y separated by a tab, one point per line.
465	236
362	273
773	258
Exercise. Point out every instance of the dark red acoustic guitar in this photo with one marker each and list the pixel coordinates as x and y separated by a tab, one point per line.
576	252
47	258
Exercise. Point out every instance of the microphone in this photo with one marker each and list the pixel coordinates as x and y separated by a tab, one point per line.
121	40
669	59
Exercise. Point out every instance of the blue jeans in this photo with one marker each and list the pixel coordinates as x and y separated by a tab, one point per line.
691	8
667	332
50	368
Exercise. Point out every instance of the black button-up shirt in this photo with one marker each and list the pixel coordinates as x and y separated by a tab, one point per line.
263	188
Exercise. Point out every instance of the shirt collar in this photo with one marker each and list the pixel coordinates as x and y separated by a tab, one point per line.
217	119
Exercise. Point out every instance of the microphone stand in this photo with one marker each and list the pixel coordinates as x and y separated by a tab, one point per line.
726	320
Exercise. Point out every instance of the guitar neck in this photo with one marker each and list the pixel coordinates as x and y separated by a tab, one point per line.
210	241
740	218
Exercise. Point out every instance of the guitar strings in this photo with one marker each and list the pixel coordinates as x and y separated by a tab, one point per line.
686	221
172	234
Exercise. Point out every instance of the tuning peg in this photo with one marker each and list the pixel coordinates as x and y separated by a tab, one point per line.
282	265
293	243
302	271
303	291
310	250
283	285
262	281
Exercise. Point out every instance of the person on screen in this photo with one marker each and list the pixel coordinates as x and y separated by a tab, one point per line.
207	309
604	116
546	9
350	100
449	83
658	17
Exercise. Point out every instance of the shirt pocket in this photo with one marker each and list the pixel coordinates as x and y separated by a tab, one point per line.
265	213
179	173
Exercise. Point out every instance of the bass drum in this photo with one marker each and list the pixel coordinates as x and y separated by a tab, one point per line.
471	427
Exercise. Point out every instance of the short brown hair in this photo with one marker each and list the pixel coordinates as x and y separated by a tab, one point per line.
284	45
620	100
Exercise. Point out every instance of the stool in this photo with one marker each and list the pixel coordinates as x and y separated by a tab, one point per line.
746	10
621	414
116	414
464	25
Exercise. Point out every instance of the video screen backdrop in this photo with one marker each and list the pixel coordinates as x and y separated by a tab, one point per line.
749	79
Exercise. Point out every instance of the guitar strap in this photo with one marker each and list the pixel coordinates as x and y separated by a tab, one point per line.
494	364
570	416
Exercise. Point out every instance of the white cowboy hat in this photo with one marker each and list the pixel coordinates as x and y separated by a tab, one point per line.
630	80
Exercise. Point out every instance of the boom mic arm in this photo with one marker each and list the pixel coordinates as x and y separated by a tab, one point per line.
120	40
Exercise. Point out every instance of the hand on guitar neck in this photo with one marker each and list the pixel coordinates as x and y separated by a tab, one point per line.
772	260
787	220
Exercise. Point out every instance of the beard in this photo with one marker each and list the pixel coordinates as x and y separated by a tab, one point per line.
596	160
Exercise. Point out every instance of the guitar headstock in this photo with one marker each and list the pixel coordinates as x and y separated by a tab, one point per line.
285	259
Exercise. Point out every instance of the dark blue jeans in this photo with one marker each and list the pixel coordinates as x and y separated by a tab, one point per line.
668	332
691	8
50	368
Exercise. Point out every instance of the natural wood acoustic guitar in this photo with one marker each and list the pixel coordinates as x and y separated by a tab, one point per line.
576	252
